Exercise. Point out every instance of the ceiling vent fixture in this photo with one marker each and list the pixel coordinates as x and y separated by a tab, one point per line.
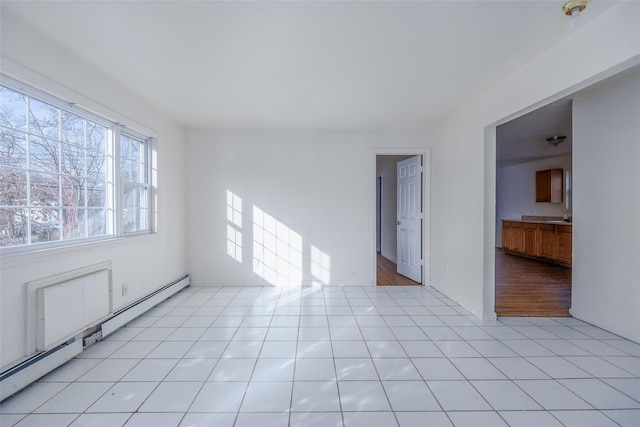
556	140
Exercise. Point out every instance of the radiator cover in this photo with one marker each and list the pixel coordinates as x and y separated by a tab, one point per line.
64	305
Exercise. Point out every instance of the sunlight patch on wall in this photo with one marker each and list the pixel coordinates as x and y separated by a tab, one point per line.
234	226
320	266
277	251
234	243
234	209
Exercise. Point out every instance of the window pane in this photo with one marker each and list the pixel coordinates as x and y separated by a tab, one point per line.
135	172
72	129
125	170
125	158
125	150
13	187
141	169
73	223
45	225
96	193
135	151
96	222
13	108
44	189
13	148
43	154
72	193
97	137
96	165
72	160
125	147
13	226
132	159
134	201
43	119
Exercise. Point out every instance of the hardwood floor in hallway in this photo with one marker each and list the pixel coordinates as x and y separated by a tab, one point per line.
387	274
526	287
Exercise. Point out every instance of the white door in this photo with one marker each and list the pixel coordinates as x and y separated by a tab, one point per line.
409	218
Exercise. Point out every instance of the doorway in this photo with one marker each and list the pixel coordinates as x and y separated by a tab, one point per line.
531	276
387	223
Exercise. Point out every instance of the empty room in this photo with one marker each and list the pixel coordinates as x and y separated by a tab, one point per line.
195	197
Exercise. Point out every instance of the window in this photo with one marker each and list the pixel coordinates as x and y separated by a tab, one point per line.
57	169
134	183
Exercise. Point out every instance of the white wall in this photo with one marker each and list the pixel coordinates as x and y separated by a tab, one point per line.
145	263
606	243
318	184
516	192
387	168
463	169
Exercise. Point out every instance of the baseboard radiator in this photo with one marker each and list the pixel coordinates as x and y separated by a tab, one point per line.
68	312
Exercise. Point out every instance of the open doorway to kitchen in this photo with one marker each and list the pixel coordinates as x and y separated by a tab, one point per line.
534	212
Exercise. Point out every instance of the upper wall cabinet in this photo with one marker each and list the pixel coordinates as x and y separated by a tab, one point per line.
549	186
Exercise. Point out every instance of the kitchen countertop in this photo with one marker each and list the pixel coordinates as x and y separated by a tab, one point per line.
539	221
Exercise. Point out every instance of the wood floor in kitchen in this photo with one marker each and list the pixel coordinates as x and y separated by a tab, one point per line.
526	287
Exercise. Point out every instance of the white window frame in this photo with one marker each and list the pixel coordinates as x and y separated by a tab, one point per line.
119	202
114	215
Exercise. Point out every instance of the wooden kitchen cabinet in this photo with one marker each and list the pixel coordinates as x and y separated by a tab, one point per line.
549	186
506	235
530	239
548	241
516	237
565	243
512	236
538	240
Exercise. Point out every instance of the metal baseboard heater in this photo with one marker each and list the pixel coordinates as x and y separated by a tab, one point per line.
32	369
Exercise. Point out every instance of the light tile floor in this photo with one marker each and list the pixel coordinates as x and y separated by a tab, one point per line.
384	356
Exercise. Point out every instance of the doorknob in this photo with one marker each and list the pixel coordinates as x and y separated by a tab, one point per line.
398	222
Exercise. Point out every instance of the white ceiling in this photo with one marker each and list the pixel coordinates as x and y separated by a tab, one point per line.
304	64
524	139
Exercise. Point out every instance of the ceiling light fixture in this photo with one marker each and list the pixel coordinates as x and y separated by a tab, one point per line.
556	140
573	8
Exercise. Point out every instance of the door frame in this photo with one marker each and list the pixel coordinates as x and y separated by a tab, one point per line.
426	207
379	202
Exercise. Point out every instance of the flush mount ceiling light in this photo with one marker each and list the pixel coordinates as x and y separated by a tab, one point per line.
573	8
556	140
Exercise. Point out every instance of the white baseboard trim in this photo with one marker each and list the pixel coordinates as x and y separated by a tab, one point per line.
125	315
602	323
32	369
262	284
489	316
14	380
